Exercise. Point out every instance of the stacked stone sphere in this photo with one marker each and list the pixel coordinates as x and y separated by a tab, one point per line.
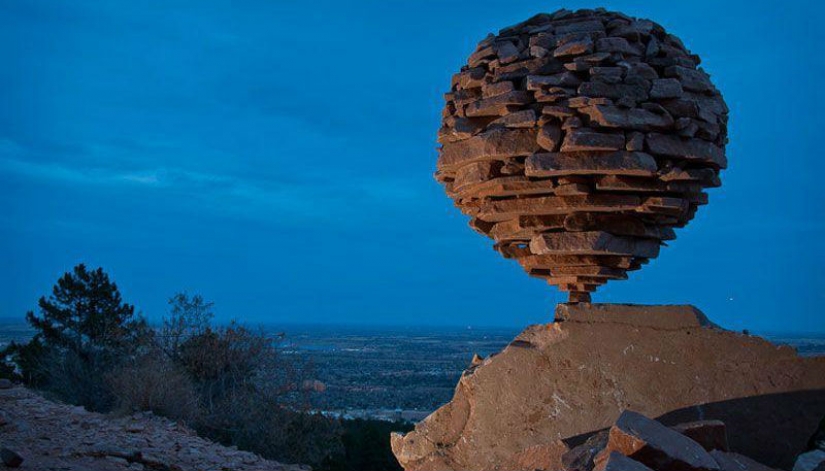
578	141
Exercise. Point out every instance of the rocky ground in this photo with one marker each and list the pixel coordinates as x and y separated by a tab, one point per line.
52	436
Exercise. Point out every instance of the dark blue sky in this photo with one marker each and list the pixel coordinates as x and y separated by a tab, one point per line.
277	157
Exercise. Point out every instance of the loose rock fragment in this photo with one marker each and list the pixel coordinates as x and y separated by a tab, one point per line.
657	446
615	163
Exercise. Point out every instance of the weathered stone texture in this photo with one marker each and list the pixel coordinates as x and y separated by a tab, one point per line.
572	378
44	435
592	94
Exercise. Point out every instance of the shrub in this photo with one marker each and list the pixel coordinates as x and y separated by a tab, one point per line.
83	331
153	383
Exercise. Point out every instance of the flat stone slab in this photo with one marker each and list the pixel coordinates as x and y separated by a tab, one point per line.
657	446
670	317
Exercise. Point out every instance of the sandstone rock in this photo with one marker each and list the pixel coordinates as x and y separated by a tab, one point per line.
493	144
494	89
507	186
617	163
657	446
616	45
503	210
580	140
688	149
691	79
635	142
506	51
549	137
605	83
634	118
470	78
576	47
564	79
616	91
570	379
592	243
499	104
616	224
580	27
666	88
544	456
520	119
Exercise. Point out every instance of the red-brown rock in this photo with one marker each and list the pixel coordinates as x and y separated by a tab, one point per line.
573	377
588	94
659	447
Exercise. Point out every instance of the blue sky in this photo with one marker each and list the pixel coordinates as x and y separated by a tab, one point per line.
277	157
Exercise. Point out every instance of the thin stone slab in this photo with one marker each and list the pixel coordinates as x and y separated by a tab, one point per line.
616	163
505	186
502	210
498	143
593	243
617	224
590	272
657	446
688	149
498	105
581	140
659	316
624	262
525	227
626	118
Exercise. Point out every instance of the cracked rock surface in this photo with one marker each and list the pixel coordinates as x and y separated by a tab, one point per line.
558	383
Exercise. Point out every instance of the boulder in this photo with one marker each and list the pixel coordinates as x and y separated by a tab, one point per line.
658	447
572	378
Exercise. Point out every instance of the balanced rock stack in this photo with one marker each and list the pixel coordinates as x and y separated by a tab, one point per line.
578	141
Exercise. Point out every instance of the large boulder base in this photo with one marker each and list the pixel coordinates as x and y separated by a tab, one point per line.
557	384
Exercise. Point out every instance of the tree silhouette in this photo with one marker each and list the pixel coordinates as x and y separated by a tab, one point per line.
84	331
86	315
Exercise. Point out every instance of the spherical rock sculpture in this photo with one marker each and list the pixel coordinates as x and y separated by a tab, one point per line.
578	141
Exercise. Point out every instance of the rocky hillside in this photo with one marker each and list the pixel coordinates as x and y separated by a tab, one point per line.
52	436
